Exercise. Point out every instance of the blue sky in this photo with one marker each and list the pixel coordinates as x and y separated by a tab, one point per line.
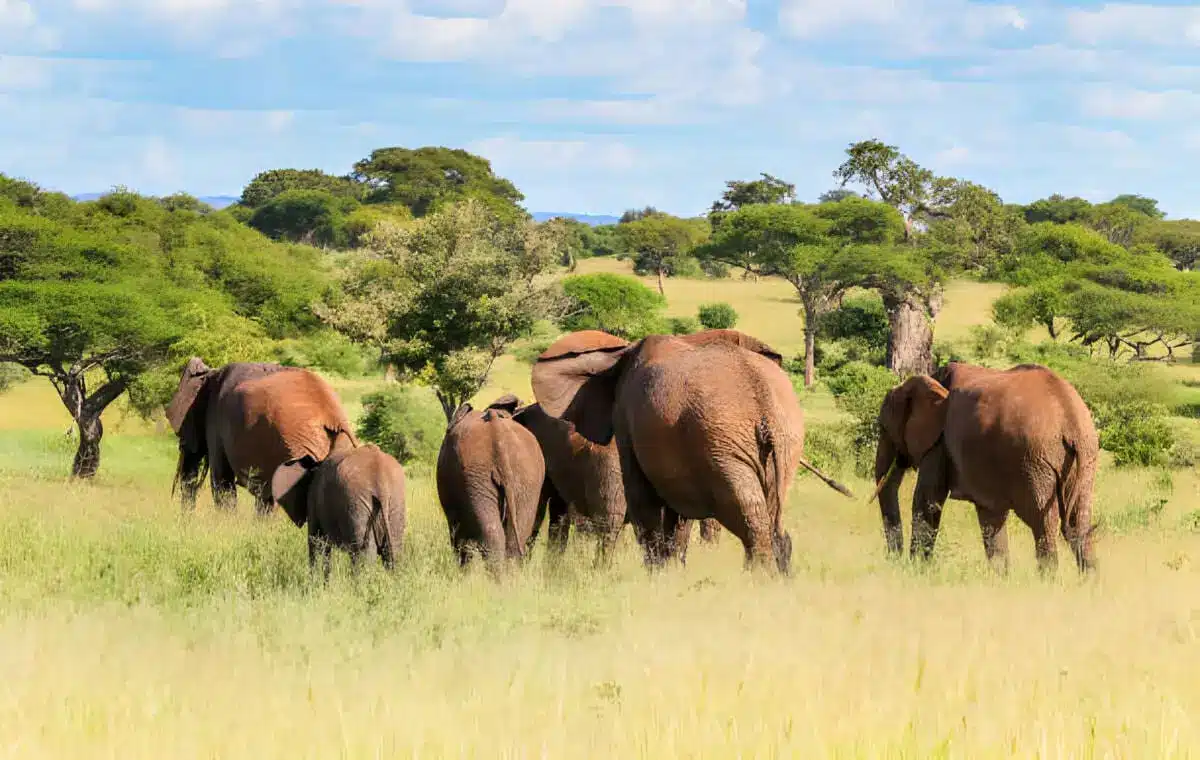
599	105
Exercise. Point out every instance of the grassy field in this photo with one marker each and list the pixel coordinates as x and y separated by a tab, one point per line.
129	631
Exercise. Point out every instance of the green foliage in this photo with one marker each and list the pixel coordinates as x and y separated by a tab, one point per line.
614	303
1179	240
662	245
445	296
11	374
858	389
858	318
893	178
427	179
315	217
682	325
269	185
325	350
406	421
638	214
739	194
717	316
1139	203
1058	209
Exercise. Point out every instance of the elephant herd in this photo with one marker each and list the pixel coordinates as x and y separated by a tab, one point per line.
655	433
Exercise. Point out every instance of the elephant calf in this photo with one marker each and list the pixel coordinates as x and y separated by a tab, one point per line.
353	499
490	476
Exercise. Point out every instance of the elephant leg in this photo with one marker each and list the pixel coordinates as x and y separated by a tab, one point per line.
1077	526
609	534
223	480
933	488
678	530
319	550
263	503
560	525
710	531
1045	537
995	537
645	509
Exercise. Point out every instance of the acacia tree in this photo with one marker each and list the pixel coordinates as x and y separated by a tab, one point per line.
741	193
793	243
445	296
662	245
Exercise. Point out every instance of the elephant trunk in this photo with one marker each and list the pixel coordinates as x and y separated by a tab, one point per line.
189	471
889	474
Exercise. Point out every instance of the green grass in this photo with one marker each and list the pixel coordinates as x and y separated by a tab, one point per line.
129	630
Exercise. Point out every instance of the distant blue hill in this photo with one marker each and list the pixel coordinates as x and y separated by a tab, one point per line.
221	201
592	219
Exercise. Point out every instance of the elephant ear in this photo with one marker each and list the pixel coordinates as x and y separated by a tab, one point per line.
289	487
186	410
737	338
462	411
575	379
506	403
926	417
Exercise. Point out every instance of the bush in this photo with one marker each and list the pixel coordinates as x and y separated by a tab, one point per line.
682	325
405	421
613	303
12	374
325	350
858	389
859	317
717	316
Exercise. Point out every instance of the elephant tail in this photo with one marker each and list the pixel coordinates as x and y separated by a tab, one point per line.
512	544
774	479
379	528
1073	492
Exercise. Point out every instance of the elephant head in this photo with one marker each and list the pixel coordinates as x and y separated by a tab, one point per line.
910	424
186	410
292	479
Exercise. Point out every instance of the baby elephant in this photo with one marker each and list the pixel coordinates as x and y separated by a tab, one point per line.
354	499
490	474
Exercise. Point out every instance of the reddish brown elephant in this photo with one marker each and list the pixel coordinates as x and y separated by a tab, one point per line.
706	426
490	479
243	420
1019	439
353	500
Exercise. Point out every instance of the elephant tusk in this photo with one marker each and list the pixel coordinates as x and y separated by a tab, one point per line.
882	481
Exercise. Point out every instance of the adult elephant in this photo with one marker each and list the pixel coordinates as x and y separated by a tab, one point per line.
490	482
706	426
586	489
1019	439
243	420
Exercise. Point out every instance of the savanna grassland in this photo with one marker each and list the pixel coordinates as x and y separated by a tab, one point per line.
130	631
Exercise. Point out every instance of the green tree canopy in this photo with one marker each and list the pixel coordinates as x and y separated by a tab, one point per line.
741	193
315	217
1178	239
446	295
268	185
106	303
425	179
662	245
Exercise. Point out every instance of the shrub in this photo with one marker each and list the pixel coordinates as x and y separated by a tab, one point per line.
407	422
858	389
682	325
717	316
613	303
859	317
325	350
12	374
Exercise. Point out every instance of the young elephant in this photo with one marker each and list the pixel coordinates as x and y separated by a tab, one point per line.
1020	439
353	499
490	476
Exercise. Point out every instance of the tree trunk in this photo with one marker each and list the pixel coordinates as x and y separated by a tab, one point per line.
810	346
87	456
661	292
910	341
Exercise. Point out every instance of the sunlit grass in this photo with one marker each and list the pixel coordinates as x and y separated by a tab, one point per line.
128	630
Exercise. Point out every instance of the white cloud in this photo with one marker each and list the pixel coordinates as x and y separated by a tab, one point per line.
19	26
158	164
509	152
1126	103
23	73
928	26
645	111
1126	22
